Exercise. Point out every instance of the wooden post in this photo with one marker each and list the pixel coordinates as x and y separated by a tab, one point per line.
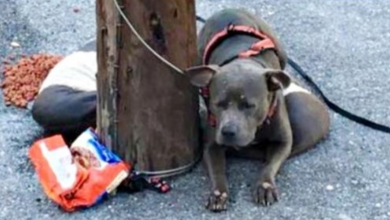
147	112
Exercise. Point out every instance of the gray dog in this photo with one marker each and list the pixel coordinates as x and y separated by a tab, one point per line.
255	108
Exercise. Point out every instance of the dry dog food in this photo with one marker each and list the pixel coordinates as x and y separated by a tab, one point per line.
21	81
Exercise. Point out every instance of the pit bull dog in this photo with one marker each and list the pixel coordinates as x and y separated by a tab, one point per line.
255	108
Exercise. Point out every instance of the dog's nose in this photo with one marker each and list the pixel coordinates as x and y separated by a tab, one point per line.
229	131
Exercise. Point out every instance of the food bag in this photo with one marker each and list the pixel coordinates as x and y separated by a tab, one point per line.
78	177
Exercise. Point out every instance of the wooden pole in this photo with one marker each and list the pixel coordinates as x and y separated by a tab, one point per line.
147	112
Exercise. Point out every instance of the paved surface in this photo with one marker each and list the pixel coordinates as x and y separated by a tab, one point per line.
342	44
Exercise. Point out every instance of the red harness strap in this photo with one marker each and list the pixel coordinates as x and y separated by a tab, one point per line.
264	43
205	93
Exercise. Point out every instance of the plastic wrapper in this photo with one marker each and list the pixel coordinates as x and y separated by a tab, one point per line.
80	176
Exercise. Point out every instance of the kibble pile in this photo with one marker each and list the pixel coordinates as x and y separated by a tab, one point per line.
21	80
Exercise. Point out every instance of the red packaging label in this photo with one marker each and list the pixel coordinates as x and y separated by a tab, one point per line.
80	176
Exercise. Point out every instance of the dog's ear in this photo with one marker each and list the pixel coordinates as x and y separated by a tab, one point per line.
201	75
277	79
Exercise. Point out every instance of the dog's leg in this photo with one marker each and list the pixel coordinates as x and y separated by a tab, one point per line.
266	192
215	161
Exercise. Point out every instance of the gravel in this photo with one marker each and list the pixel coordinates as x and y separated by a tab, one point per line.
343	45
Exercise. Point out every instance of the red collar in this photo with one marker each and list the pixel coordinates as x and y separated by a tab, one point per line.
264	43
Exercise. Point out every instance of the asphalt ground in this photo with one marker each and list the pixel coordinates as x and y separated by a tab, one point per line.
343	45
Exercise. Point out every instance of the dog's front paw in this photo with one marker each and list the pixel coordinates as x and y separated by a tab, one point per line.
217	201
266	194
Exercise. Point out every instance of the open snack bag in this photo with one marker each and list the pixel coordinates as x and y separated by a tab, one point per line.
79	176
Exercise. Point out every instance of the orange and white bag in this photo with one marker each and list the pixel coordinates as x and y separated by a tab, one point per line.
80	176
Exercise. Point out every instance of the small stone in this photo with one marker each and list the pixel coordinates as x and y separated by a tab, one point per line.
271	13
15	44
378	205
344	217
76	9
329	187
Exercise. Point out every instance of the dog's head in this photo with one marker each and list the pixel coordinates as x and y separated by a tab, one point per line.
240	97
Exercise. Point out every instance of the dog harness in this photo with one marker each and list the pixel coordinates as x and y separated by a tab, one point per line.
264	43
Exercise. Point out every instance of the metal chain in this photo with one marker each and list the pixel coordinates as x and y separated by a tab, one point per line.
171	172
